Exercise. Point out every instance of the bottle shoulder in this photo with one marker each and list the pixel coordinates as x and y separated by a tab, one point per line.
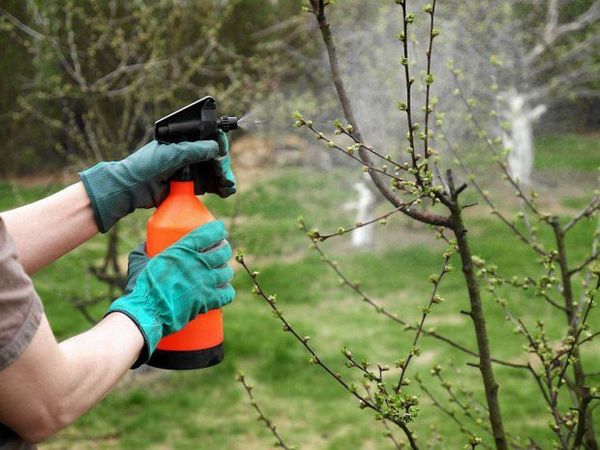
180	211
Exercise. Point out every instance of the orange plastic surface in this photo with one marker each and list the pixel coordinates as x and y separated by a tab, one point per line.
179	214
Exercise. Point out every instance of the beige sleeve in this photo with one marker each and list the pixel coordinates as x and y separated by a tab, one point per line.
20	307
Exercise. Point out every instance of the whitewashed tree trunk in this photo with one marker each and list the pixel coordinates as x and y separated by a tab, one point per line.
519	138
364	205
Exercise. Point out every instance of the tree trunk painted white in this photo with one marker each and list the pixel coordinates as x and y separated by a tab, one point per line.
364	204
519	138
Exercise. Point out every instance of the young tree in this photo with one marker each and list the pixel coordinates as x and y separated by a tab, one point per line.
558	368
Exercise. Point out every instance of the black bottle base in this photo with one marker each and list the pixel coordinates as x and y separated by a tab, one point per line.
187	360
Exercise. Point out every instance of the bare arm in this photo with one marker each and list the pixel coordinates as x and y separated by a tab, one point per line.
52	384
47	229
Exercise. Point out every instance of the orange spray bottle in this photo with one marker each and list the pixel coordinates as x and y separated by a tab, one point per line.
200	343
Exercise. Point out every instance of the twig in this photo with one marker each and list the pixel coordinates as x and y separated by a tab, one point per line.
408	80
241	378
349	152
347	131
586	212
341	231
590	259
434	299
454	398
430	9
442	408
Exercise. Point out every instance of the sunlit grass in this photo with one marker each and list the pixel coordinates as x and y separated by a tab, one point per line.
568	152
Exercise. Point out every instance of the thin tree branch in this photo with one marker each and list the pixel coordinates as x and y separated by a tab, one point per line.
241	378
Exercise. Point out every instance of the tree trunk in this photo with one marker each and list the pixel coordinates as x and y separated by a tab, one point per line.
521	116
364	205
477	315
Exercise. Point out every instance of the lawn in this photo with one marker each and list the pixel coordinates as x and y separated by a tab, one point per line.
209	410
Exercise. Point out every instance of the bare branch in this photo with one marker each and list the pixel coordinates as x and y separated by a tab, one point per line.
553	31
585	213
434	299
341	231
590	259
442	408
241	378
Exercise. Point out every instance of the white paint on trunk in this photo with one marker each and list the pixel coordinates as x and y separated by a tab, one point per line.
519	139
365	201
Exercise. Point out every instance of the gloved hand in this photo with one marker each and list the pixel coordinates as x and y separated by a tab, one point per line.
188	278
117	188
215	176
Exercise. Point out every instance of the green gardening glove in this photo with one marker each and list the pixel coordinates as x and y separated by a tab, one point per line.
164	293
216	176
117	188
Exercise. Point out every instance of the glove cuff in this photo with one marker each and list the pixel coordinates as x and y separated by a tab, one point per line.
107	194
91	179
147	324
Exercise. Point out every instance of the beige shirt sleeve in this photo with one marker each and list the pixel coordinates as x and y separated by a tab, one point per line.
20	307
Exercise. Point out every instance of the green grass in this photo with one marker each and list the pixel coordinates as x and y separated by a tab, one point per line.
208	409
568	152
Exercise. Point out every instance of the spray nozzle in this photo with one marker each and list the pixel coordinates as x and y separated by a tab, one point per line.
194	122
227	123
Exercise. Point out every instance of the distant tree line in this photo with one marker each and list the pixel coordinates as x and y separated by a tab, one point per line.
85	81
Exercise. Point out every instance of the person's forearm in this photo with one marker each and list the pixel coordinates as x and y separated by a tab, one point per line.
96	360
47	229
51	385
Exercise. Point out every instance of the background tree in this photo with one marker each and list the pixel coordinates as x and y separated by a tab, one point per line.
524	58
